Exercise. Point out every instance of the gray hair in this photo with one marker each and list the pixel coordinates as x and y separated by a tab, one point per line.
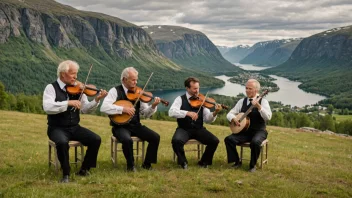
126	72
256	83
64	66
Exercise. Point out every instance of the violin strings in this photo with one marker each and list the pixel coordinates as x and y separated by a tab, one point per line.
85	83
203	101
143	89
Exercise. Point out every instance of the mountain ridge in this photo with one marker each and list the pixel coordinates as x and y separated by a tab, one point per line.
271	53
323	63
46	38
189	48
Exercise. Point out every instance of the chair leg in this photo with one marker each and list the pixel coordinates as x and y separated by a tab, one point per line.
56	160
76	158
143	146
115	154
266	153
137	152
198	151
261	157
241	155
49	155
202	148
112	151
82	154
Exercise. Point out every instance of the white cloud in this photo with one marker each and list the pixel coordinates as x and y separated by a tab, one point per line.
230	22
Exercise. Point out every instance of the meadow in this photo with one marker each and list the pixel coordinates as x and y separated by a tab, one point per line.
301	164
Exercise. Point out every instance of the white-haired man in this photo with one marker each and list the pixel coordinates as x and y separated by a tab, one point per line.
63	119
256	133
123	133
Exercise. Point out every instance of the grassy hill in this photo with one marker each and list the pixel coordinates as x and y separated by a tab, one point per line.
301	164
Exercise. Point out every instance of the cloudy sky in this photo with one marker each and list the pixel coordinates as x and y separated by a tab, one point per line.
230	22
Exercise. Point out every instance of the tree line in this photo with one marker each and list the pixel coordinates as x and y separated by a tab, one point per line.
285	117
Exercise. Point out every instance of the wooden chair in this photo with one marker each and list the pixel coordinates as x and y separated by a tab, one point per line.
54	159
199	149
115	149
263	152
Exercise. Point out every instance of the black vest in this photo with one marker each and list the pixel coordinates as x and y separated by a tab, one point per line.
122	96
187	122
69	117
256	120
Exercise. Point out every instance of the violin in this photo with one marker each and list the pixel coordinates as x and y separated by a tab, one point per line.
137	92
89	90
197	102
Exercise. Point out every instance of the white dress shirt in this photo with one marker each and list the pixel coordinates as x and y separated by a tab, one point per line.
265	112
109	108
51	107
176	112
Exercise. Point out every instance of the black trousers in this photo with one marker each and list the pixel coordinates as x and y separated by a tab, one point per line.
255	137
61	137
181	136
124	132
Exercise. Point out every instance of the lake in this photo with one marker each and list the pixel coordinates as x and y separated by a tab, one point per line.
289	93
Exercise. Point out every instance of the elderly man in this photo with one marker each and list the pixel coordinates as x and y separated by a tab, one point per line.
63	110
256	133
123	132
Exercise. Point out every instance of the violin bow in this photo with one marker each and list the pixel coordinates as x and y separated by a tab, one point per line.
203	101
85	83
143	89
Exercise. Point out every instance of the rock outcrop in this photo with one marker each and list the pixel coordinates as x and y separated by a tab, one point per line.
36	35
189	48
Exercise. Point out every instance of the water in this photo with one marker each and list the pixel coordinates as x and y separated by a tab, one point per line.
250	67
289	93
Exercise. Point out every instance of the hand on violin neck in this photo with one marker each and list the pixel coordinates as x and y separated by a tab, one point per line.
156	102
129	111
192	115
74	103
102	94
218	108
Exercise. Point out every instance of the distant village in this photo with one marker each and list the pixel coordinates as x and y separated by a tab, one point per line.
265	81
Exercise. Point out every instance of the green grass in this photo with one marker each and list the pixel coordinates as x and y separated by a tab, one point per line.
340	118
301	164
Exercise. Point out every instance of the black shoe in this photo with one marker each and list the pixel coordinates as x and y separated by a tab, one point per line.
65	179
147	166
83	172
131	169
202	164
184	165
237	165
252	170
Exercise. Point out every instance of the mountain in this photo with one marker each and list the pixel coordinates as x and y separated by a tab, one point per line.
223	49
189	48
236	54
271	53
36	35
323	63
